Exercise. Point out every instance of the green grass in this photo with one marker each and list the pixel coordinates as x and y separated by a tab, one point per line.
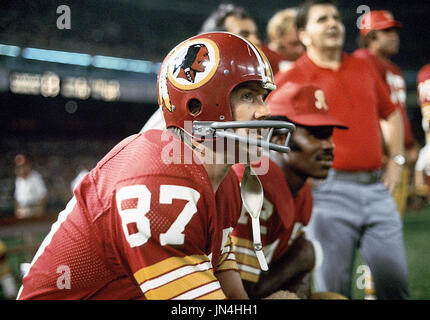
417	244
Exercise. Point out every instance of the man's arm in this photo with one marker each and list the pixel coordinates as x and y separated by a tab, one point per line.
298	261
231	284
394	139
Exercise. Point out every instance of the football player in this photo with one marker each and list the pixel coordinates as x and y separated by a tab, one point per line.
150	221
287	196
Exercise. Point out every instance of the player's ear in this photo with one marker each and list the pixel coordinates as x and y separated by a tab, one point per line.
303	37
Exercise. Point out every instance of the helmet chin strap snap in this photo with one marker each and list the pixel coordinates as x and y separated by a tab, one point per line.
251	191
214	129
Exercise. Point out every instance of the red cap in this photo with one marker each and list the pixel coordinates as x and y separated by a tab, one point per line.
302	104
377	20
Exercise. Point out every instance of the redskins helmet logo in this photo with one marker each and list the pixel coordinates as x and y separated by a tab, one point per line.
193	63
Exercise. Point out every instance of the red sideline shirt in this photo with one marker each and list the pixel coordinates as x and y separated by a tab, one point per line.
273	57
395	85
423	90
138	228
281	219
356	96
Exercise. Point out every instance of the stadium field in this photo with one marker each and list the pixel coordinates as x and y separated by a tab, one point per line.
417	242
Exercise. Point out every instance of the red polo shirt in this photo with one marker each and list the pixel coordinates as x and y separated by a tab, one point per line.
395	84
356	96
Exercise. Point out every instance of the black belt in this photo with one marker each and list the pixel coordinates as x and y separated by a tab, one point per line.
363	177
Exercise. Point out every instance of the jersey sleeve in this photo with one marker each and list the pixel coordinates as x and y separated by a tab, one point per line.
161	230
303	210
227	260
304	203
247	261
385	105
229	206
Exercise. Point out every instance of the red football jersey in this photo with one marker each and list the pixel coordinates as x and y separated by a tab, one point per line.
423	91
395	85
281	219
139	227
356	96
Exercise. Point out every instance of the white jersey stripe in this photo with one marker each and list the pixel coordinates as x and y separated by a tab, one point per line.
243	250
200	291
174	275
249	269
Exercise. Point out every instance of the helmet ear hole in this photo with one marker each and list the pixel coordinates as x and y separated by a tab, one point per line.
194	107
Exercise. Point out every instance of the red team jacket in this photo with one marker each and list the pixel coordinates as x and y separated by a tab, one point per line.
281	217
138	228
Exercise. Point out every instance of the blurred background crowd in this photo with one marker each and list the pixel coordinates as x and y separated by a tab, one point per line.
70	92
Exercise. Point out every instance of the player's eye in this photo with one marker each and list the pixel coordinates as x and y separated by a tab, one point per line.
248	96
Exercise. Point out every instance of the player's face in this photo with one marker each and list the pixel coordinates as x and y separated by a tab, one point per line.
312	155
324	29
243	27
387	41
247	103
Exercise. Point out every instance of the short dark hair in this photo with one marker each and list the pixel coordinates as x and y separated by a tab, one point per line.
303	11
216	20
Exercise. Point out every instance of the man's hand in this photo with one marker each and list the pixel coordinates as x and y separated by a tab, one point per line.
299	260
301	285
391	176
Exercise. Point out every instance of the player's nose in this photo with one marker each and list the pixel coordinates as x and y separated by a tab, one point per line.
262	111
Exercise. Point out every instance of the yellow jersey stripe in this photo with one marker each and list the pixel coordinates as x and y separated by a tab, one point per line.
226	256
202	292
167	265
227	265
249	276
216	295
247	259
174	275
178	287
242	242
